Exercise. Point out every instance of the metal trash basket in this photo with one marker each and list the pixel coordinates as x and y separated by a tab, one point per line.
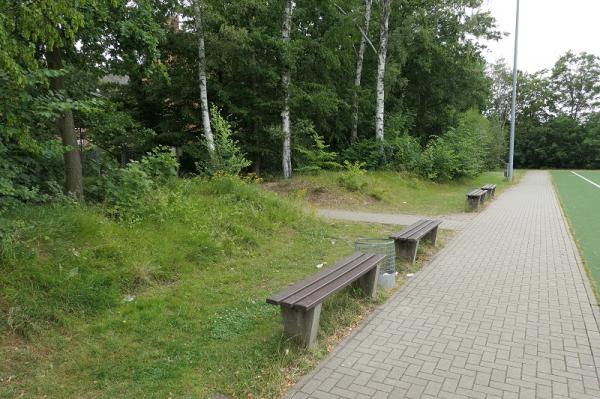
380	246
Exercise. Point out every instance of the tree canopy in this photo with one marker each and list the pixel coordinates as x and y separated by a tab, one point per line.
115	78
557	112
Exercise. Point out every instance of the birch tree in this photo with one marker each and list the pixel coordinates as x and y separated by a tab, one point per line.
285	79
208	135
385	10
359	65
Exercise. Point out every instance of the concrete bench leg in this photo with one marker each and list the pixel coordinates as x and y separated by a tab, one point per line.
368	283
432	236
473	204
407	250
302	324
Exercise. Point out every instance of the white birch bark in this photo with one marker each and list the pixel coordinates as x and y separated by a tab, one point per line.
386	8
208	135
285	79
359	66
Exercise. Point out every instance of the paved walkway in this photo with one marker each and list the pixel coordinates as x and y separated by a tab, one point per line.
504	311
450	222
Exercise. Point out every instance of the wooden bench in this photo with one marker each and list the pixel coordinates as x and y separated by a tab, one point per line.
301	303
407	241
475	198
490	189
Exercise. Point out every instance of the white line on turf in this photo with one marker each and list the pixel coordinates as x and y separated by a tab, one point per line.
586	179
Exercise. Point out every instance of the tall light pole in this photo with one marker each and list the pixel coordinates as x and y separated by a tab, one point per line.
511	150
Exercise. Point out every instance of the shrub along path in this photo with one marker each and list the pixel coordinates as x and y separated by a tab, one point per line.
504	311
457	221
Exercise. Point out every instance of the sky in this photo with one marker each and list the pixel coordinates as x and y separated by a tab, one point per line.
548	28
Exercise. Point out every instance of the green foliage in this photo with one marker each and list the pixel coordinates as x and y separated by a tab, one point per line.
227	158
126	192
556	113
459	153
160	165
405	153
438	161
173	307
115	131
464	151
371	153
351	179
132	193
575	83
399	153
311	154
62	260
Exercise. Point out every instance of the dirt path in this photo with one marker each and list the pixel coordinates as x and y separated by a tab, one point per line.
450	222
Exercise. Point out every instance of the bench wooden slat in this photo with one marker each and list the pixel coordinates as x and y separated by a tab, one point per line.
477	193
409	230
329	281
489	187
412	228
336	285
417	231
280	296
424	229
309	288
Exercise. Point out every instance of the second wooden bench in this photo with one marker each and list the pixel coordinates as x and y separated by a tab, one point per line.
475	199
407	241
491	190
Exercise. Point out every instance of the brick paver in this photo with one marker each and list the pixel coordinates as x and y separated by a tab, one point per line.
504	311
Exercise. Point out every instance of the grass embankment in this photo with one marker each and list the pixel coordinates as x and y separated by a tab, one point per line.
385	192
171	306
581	203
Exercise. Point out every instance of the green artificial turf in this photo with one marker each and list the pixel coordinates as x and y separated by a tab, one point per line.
581	203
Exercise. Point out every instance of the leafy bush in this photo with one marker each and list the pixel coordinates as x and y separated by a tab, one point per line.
464	151
371	153
160	164
130	193
227	158
406	153
400	153
351	178
311	154
399	124
29	172
438	161
116	131
127	192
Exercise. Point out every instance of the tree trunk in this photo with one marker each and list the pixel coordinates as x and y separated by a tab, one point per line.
285	79
208	135
359	66
386	8
66	127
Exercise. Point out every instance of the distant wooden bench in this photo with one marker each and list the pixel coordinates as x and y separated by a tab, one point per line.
407	241
490	189
301	303
475	198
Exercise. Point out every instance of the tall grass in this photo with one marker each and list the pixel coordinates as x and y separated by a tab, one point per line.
171	304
